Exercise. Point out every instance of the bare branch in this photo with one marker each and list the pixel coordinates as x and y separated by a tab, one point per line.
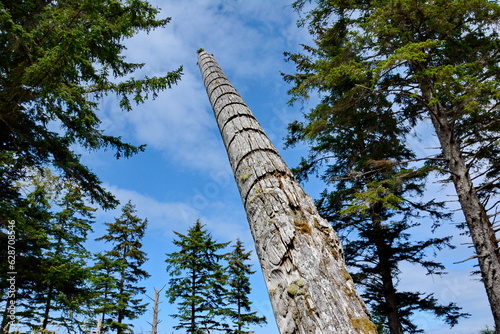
469	258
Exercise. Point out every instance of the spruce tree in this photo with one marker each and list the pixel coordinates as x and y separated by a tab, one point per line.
64	265
432	63
30	221
239	304
104	283
198	281
59	59
51	229
119	271
374	199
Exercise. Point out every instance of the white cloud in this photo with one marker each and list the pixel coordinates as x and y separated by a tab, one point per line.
459	287
179	124
247	37
163	216
225	220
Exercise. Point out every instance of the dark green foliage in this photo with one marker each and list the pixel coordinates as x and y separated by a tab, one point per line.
374	257
410	56
58	59
239	304
198	281
370	105
50	255
118	272
487	331
374	201
373	205
31	220
104	283
64	266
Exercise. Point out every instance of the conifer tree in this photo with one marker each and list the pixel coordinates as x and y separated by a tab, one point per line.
104	283
52	281
373	201
58	59
239	304
198	281
431	63
123	263
31	220
64	265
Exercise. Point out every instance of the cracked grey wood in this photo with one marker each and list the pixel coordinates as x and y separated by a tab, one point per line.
300	254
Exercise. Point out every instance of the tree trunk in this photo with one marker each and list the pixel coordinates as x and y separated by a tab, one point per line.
389	291
392	313
478	223
103	316
240	325
300	255
120	312
99	325
156	310
194	328
47	308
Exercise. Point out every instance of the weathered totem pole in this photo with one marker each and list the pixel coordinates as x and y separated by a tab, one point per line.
300	254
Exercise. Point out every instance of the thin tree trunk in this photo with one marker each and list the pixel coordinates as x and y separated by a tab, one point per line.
156	311
479	225
300	255
121	288
103	314
154	324
240	325
389	291
120	311
392	313
99	325
194	328
46	312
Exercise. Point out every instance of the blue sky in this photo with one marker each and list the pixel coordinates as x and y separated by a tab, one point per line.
184	174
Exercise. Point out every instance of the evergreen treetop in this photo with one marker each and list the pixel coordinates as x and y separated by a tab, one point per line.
238	294
119	270
198	280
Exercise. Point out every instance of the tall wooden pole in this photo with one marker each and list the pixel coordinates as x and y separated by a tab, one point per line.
300	255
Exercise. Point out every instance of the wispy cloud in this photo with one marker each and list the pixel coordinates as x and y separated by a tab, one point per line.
459	287
223	219
162	216
180	123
